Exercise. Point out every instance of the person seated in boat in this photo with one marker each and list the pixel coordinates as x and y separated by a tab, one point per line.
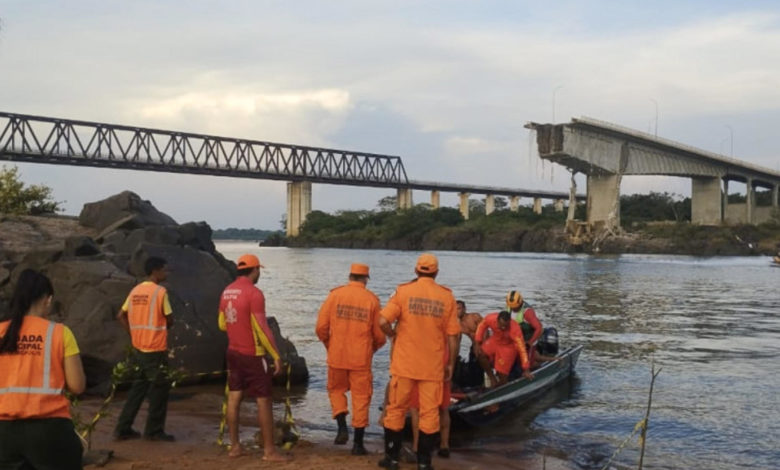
468	373
546	350
500	350
776	259
525	316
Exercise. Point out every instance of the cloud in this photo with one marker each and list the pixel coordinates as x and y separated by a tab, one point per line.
445	85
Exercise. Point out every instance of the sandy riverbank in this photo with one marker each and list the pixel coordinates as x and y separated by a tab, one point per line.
193	417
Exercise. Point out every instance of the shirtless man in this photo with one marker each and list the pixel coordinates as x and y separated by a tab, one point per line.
468	323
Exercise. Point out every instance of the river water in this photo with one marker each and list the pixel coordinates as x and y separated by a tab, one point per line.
711	324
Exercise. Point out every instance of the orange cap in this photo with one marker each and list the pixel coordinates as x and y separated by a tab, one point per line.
427	263
359	269
248	261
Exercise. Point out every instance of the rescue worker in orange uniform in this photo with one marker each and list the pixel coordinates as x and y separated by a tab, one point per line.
444	415
426	322
39	359
501	349
348	326
250	342
525	316
146	315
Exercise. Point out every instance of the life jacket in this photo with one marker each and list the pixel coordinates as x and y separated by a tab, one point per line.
148	328
33	377
528	330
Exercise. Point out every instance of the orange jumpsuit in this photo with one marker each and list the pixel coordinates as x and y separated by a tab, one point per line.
348	326
503	346
426	315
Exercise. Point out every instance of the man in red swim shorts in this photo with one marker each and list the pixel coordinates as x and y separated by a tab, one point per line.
250	342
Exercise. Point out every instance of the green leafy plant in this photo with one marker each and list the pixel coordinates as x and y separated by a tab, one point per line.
20	199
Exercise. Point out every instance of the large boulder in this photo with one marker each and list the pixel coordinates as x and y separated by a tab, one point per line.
124	207
95	263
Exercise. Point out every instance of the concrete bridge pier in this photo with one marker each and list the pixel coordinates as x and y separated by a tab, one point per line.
435	199
537	205
776	196
404	198
514	203
298	206
558	205
604	201
490	204
750	200
706	201
464	205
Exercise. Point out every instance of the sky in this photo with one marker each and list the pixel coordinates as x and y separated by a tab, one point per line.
445	85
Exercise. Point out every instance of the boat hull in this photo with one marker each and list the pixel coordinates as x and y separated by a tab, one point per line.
490	405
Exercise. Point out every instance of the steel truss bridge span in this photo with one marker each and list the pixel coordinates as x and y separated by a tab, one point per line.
38	139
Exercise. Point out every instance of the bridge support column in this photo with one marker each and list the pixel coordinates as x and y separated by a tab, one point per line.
435	199
775	195
706	201
490	204
537	205
464	205
750	200
298	206
558	205
514	203
404	198
604	201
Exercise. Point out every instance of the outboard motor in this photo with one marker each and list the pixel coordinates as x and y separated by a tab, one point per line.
548	343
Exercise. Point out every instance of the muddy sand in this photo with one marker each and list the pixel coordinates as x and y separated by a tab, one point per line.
194	415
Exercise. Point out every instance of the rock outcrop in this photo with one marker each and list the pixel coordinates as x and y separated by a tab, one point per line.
96	260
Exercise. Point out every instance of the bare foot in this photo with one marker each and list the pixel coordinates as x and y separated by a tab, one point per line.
275	457
235	451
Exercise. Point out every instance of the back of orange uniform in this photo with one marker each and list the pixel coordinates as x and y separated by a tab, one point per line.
348	325
511	338
147	305
426	314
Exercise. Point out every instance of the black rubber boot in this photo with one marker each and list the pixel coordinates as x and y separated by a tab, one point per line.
392	449
425	446
342	435
357	442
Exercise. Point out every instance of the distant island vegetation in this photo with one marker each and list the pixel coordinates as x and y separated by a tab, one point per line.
650	223
245	234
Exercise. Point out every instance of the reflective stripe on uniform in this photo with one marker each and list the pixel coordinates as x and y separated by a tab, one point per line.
152	310
44	389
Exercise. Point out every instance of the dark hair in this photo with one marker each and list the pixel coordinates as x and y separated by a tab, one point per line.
504	315
422	274
357	277
153	264
245	271
30	288
461	303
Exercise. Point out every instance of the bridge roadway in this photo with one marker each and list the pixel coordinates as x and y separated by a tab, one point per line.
606	152
39	139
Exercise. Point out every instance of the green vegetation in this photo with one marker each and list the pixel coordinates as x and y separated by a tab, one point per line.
377	227
654	207
251	234
19	199
657	222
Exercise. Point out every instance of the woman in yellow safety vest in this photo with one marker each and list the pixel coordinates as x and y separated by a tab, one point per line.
39	360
